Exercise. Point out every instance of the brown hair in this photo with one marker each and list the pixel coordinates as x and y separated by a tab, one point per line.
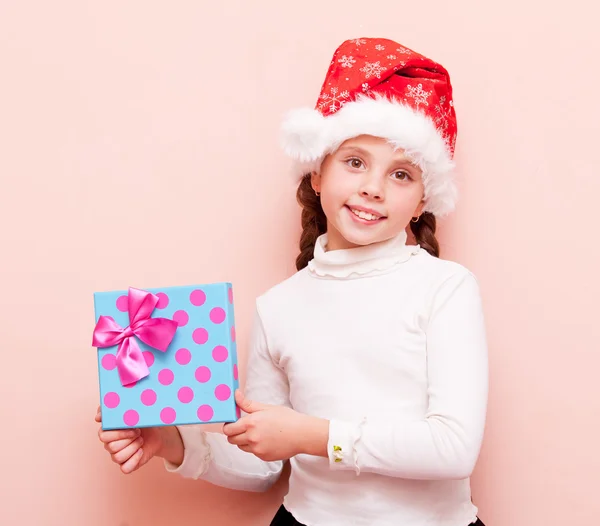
314	223
424	232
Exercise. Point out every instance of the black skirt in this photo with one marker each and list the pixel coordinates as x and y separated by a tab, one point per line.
285	518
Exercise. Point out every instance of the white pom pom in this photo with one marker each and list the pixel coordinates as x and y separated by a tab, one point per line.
303	134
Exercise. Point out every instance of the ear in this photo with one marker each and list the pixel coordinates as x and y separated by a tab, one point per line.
315	181
419	209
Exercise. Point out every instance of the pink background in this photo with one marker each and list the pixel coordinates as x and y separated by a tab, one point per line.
132	126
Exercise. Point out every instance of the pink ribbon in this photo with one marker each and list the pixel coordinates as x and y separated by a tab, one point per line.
155	332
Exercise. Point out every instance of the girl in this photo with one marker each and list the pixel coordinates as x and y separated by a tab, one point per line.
367	368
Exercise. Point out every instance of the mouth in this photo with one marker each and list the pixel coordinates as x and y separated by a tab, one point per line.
365	216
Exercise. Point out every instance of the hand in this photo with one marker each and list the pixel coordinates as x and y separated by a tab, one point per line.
273	432
133	448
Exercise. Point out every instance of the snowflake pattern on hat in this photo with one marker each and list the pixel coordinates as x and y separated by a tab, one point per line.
379	66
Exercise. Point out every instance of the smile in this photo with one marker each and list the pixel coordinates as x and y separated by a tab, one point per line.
368	217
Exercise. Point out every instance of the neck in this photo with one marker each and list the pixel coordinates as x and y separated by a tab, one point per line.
343	261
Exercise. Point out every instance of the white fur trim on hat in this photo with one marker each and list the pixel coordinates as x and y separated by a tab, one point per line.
308	136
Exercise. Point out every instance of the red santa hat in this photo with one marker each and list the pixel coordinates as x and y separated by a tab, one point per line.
377	87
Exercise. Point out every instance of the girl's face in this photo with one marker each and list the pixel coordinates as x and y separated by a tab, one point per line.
369	192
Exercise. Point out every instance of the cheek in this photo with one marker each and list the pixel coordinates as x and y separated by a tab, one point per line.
331	202
337	189
405	202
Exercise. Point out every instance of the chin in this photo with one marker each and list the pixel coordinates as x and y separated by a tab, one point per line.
363	238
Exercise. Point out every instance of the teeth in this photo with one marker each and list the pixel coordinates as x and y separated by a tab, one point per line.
364	215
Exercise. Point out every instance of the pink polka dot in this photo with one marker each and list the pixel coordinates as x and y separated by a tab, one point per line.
230	295
222	392
181	317
183	356
185	395
198	297
131	417
235	371
233	333
205	413
168	415
203	374
109	361
200	336
149	358
148	397
111	400
122	303
217	315
220	353
166	377
129	386
163	300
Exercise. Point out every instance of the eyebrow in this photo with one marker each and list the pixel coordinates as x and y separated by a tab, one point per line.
356	149
366	153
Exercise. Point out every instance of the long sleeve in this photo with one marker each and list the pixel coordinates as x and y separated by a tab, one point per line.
209	456
446	443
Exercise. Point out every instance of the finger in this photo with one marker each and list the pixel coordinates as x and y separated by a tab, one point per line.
236	428
238	440
117	434
246	448
133	463
127	452
243	403
246	405
118	445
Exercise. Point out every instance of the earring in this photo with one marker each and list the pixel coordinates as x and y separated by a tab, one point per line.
415	219
317	193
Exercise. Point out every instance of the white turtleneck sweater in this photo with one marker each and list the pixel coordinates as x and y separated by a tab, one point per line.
388	343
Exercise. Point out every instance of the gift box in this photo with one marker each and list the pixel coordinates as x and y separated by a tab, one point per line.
166	356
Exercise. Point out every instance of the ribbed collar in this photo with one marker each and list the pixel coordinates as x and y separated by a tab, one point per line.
361	261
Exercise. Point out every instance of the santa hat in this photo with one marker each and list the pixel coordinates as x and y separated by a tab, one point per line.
375	86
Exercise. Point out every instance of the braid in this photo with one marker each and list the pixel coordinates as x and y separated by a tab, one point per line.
314	222
424	232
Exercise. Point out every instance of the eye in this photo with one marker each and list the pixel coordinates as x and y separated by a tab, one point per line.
354	162
402	175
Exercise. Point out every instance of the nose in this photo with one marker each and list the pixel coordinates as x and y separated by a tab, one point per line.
371	186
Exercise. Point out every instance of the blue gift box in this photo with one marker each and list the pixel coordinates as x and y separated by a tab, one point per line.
193	381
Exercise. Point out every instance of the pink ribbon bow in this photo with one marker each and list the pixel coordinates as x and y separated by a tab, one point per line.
155	332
